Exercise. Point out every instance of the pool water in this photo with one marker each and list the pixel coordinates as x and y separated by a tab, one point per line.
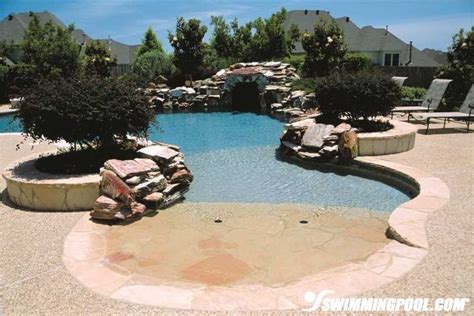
233	159
9	125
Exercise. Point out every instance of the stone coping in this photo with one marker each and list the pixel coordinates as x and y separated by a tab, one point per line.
399	139
84	257
28	187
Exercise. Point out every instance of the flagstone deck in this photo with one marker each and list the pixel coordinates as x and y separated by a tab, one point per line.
33	278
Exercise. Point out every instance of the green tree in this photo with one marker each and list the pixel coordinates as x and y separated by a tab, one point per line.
50	49
152	64
98	60
460	68
222	41
259	40
189	48
324	49
150	43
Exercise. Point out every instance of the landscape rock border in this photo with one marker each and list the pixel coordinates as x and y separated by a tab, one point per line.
397	258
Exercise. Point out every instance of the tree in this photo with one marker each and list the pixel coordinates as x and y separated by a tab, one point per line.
222	41
98	60
84	110
324	49
189	49
50	49
152	64
460	68
259	40
150	43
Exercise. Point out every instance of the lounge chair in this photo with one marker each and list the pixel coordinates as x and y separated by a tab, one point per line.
430	102
465	112
399	80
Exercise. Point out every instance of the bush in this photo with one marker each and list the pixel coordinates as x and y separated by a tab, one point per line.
4	84
296	61
354	62
413	92
306	84
152	64
359	97
86	111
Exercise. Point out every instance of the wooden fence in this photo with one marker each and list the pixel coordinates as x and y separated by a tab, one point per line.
120	69
417	76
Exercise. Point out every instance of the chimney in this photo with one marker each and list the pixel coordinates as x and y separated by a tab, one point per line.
347	19
317	12
386	30
305	12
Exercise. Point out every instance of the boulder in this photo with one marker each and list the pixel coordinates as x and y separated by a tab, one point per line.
308	155
341	128
154	200
114	187
181	175
156	184
134	180
301	125
313	138
126	168
348	145
106	208
138	209
159	153
148	163
290	146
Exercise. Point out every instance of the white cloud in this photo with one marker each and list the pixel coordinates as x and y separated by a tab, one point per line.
431	32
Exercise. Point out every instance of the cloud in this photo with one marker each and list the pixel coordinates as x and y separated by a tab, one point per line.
431	32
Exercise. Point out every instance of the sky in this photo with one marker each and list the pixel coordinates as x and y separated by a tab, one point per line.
428	23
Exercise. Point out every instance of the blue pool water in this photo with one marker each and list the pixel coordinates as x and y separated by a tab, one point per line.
232	157
8	124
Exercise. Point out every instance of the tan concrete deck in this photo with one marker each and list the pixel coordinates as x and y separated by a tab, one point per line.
6	109
33	279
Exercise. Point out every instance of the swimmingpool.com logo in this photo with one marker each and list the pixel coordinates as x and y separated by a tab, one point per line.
323	303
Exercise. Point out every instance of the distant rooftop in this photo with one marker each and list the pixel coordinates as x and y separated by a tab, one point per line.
13	26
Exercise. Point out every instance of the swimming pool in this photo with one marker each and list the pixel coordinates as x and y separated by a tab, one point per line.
233	159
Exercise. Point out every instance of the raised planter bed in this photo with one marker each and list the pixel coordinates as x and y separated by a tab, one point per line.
399	139
30	188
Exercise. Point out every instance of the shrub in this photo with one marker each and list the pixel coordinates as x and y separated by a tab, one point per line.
306	84
152	64
4	84
353	62
86	111
296	61
359	97
413	92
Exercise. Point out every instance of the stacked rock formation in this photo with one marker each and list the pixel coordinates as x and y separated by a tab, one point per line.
309	140
154	180
272	78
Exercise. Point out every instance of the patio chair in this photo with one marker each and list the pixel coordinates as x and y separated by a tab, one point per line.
399	80
465	112
430	102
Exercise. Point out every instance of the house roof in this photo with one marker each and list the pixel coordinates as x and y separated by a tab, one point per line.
13	26
365	39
